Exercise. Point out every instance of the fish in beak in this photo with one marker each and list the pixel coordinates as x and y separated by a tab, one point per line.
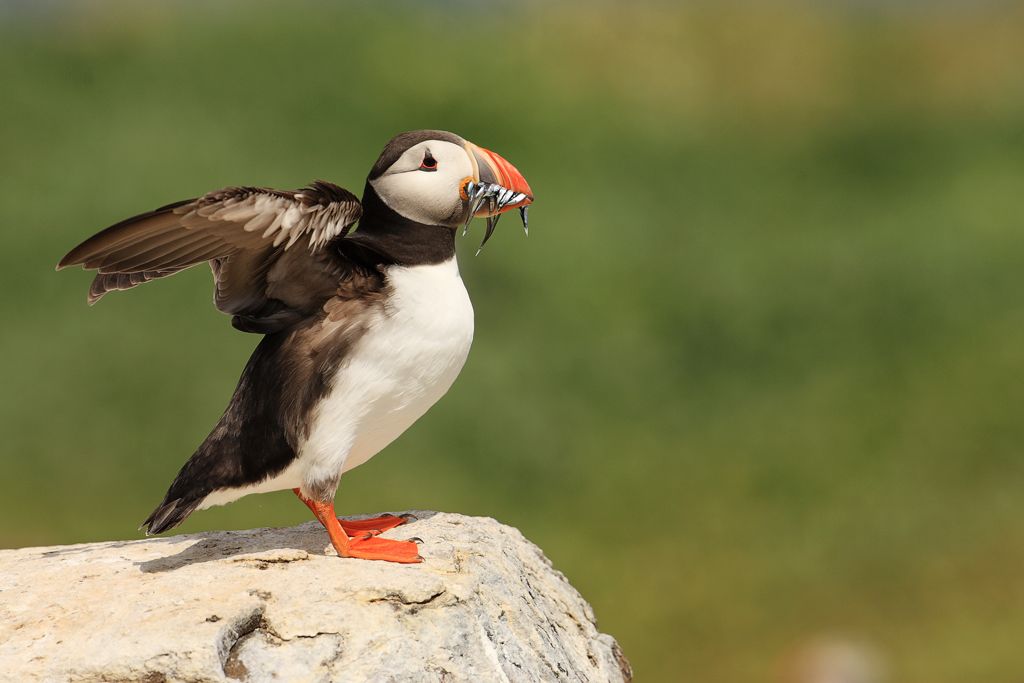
497	186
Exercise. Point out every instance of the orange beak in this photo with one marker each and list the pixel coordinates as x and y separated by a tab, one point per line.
496	187
493	169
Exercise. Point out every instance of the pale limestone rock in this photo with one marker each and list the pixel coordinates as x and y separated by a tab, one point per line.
276	605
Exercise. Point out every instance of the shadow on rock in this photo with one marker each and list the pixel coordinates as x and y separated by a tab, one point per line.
262	547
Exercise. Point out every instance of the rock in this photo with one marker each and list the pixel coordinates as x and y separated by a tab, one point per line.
278	604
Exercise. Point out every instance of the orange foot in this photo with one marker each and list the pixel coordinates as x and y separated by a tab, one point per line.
364	544
374	548
374	526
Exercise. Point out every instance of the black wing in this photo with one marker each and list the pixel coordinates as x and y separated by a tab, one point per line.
265	248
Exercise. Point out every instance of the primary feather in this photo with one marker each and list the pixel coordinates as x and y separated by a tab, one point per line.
246	234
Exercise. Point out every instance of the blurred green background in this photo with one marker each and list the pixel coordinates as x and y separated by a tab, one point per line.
754	377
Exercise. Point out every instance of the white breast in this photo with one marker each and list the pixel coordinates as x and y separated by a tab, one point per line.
404	363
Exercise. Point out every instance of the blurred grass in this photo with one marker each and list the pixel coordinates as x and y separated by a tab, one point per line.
755	375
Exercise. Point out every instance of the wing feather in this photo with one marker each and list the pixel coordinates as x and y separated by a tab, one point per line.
124	235
163	256
131	257
104	283
241	231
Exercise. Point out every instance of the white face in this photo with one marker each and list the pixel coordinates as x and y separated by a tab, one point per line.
424	183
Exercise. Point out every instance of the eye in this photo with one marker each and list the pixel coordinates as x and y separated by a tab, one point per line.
429	163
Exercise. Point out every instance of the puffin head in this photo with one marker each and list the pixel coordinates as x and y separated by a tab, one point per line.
437	178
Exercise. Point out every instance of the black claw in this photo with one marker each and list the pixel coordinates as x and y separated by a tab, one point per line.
409	517
522	214
417	540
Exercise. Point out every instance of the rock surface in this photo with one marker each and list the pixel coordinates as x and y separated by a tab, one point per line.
277	605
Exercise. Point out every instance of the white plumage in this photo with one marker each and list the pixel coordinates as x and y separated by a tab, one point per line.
407	360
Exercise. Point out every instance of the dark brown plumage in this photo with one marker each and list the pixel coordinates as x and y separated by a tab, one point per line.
246	234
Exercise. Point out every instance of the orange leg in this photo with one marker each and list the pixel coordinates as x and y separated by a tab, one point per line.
364	544
362	527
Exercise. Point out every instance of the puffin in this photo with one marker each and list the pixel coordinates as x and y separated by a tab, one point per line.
364	317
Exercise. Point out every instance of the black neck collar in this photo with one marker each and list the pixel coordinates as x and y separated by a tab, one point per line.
397	240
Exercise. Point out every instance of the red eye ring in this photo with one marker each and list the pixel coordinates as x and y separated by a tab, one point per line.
429	163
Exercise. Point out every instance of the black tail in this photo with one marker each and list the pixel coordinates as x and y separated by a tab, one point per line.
169	514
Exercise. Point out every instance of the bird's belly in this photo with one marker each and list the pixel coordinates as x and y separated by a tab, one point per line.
392	415
407	360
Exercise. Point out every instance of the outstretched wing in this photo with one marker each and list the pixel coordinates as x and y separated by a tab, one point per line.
265	248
